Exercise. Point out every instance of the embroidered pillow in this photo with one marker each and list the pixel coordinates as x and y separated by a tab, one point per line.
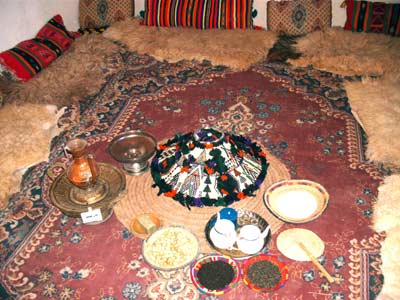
377	17
29	57
299	16
201	14
101	13
55	33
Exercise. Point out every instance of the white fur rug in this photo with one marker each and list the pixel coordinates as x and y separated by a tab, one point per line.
26	132
237	49
376	104
387	218
349	53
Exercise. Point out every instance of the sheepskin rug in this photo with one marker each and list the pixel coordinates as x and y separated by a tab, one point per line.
79	72
237	49
386	218
26	132
376	103
349	53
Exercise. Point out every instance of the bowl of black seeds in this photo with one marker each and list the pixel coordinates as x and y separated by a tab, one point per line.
215	274
265	273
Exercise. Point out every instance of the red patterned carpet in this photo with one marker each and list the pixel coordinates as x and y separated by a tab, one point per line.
299	116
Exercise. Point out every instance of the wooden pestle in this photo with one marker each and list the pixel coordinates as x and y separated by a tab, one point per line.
316	262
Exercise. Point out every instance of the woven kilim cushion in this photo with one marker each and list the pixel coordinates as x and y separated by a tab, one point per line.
29	57
201	14
55	32
377	17
299	16
101	13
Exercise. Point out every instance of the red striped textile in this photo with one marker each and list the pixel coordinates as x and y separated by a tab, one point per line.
377	17
55	31
29	57
201	14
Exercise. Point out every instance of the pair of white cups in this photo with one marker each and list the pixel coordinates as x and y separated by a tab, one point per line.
250	239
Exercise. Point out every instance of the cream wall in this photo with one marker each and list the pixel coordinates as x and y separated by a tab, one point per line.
22	19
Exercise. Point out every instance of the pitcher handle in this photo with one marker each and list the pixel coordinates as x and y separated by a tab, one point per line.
92	168
50	170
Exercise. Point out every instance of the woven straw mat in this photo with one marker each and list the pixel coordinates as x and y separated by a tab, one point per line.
142	198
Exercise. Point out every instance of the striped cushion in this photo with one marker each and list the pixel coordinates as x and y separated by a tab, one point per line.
55	32
201	14
29	57
377	17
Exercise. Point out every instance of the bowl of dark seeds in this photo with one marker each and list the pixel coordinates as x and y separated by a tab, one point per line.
215	274
265	273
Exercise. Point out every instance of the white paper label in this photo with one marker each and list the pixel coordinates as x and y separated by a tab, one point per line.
92	215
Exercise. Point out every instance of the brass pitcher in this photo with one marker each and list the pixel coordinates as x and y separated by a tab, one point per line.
86	186
83	172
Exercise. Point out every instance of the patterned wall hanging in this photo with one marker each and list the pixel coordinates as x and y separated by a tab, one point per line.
208	168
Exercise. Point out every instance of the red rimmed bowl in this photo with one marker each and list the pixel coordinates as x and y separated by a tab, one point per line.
269	266
212	258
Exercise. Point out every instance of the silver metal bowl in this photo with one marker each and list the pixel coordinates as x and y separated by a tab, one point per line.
133	149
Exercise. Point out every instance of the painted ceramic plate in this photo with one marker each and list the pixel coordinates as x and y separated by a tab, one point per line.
296	201
194	270
170	248
262	258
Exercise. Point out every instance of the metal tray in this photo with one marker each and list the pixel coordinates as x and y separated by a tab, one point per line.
61	190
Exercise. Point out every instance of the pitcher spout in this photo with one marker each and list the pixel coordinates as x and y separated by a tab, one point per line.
265	232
